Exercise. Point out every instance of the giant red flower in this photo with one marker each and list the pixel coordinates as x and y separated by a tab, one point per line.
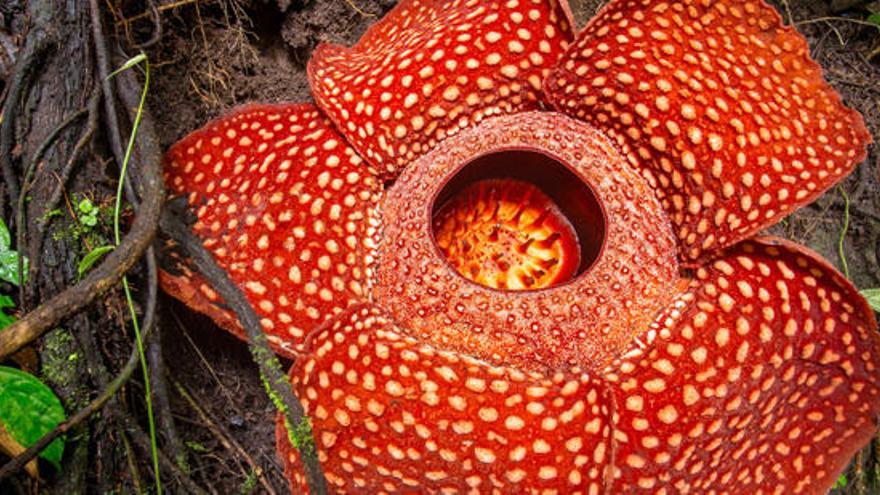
508	259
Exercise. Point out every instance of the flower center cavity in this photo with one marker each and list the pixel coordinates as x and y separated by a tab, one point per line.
518	220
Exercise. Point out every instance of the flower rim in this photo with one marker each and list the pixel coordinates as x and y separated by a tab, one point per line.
573	312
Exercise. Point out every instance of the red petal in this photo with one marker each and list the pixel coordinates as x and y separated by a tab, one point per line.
286	208
392	415
719	105
432	67
762	378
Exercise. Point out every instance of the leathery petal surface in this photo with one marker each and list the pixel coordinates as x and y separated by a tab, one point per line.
392	414
720	107
432	67
765	356
287	208
761	378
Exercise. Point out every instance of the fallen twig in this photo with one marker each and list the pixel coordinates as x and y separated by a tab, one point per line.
832	18
223	436
161	8
130	462
223	389
274	378
157	26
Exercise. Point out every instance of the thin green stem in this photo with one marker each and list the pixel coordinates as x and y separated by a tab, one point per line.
128	150
843	231
154	451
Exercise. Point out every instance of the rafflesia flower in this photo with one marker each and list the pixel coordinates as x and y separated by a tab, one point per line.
508	259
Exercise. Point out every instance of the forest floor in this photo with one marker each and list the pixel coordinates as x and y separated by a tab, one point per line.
216	54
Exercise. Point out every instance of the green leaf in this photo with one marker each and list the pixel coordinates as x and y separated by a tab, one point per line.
5	238
873	297
28	410
5	319
9	267
52	213
247	487
85	205
874	19
9	258
91	258
196	446
841	482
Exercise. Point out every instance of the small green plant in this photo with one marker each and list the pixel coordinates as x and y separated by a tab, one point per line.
196	446
28	407
249	483
91	258
57	212
840	241
9	266
841	482
91	219
87	212
871	295
91	224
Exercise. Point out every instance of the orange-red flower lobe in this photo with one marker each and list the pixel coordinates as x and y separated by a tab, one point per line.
484	296
286	207
432	67
719	105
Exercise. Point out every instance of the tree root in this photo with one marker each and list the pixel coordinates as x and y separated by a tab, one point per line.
145	191
97	282
34	52
114	266
106	394
164	419
76	155
142	440
25	187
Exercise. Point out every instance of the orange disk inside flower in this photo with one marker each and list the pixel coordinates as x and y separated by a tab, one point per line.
507	234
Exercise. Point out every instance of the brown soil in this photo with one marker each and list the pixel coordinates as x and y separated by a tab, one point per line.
216	54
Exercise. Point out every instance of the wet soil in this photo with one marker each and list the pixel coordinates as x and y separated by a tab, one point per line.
216	54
